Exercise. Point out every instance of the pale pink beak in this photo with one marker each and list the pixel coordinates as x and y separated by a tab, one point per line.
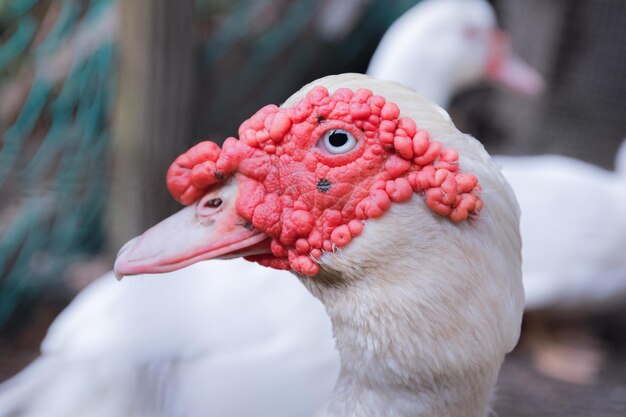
208	229
509	70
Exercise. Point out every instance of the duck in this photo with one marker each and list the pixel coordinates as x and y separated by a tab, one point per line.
424	292
142	348
574	269
440	48
585	273
399	224
88	335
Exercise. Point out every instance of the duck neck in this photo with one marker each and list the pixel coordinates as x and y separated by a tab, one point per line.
388	369
422	320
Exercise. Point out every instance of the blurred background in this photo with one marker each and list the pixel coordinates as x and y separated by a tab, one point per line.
97	98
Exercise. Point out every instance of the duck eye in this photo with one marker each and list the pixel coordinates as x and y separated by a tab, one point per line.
337	141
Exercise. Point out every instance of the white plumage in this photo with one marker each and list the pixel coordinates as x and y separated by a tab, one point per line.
140	341
440	47
431	50
574	231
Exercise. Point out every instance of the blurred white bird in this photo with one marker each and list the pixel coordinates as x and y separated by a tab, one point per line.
574	233
441	47
223	338
235	339
573	229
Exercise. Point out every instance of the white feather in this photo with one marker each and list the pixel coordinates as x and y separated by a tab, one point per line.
189	343
426	48
574	232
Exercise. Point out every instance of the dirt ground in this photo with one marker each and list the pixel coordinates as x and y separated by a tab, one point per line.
522	390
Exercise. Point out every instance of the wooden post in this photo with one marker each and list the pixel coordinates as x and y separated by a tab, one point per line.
153	115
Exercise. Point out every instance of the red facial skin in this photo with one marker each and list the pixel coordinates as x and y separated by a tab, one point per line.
307	200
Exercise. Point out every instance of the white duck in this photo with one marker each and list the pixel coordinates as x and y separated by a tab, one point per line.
441	47
574	231
143	347
425	300
141	329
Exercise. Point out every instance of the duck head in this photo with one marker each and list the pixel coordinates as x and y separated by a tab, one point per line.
453	45
302	180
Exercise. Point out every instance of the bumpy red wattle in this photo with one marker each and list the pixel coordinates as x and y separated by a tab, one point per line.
309	201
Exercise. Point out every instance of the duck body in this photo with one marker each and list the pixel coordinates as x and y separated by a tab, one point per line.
574	232
144	359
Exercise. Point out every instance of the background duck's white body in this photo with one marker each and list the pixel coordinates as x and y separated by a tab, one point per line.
223	338
406	53
573	230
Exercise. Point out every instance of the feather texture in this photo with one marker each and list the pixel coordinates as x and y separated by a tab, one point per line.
574	231
143	347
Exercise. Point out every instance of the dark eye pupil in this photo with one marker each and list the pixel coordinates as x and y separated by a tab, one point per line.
338	139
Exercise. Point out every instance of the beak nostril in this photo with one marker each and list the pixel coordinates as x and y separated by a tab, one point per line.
213	203
209	206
